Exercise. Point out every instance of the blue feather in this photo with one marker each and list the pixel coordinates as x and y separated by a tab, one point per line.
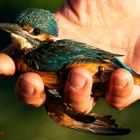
122	65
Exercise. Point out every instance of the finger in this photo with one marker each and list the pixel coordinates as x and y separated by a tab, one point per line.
7	65
30	88
78	89
120	88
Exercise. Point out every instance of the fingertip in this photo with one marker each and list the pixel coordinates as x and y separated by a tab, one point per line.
121	80
120	87
30	88
7	65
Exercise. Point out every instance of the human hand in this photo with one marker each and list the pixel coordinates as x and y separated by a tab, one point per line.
106	27
32	91
30	86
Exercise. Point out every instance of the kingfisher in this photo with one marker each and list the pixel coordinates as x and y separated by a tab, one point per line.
36	48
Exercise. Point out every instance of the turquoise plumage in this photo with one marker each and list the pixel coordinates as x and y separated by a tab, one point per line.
54	56
44	21
38	18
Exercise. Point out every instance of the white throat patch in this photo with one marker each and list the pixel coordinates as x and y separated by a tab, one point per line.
21	41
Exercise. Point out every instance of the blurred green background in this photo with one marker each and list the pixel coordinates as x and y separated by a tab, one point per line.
21	122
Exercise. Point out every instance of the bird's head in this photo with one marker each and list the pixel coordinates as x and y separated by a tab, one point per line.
32	27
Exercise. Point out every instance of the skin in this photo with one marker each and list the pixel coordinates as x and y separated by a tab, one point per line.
110	25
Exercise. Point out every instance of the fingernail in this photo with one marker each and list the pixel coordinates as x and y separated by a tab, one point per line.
77	80
119	82
25	88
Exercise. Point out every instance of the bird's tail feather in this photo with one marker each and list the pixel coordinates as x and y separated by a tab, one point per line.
135	74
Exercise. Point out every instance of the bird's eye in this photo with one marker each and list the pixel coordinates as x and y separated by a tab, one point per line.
36	31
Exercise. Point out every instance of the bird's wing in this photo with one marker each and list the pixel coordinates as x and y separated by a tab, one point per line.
55	55
99	124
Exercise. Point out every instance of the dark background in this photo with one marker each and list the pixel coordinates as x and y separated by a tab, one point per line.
21	122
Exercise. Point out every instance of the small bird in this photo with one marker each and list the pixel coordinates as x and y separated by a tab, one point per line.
37	48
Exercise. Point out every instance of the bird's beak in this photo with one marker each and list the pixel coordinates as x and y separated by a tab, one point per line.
20	36
11	28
